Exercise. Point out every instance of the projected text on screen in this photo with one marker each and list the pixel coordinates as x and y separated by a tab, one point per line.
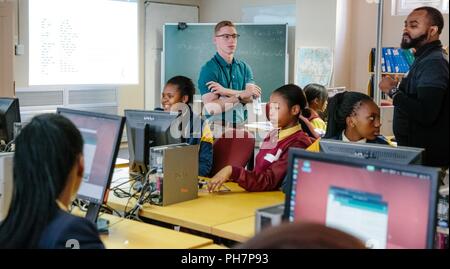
83	42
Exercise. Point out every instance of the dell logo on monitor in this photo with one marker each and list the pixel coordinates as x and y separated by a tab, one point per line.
149	118
364	155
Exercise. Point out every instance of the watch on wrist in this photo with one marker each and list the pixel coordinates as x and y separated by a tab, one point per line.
239	97
392	92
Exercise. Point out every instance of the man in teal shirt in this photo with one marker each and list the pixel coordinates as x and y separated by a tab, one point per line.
226	84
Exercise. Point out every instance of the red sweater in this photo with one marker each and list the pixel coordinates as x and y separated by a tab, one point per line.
271	163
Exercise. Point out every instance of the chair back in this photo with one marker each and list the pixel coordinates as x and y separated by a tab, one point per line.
235	147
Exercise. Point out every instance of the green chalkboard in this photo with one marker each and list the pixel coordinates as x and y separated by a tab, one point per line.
262	46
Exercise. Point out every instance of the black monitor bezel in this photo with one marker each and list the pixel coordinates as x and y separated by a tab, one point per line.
116	146
128	127
374	146
433	173
10	129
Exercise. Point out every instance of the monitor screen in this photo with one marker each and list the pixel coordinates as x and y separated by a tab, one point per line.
385	153
101	134
385	205
6	183
147	129
9	114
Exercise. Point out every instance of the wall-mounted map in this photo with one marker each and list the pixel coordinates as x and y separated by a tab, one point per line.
315	65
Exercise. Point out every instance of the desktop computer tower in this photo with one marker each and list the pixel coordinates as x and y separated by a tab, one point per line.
268	216
175	177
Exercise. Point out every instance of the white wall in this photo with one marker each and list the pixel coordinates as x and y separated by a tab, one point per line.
316	25
157	14
7	18
218	10
342	74
325	23
364	25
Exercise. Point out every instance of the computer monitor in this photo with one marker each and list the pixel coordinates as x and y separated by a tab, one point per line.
6	183
385	205
147	129
9	114
102	134
386	153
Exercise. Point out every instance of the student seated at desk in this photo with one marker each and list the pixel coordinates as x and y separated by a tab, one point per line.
178	95
302	236
48	168
317	97
354	117
286	103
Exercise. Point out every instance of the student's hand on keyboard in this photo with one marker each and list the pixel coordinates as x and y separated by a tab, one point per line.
219	179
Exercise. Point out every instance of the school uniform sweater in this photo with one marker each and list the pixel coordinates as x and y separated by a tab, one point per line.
271	161
317	122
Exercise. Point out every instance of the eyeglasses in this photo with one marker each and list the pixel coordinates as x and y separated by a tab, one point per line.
227	36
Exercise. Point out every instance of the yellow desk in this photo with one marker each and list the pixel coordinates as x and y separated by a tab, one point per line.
212	209
239	230
130	234
121	163
208	210
213	246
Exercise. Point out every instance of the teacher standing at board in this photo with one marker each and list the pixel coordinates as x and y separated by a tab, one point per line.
226	84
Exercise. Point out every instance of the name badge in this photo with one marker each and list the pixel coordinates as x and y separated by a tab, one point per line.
272	158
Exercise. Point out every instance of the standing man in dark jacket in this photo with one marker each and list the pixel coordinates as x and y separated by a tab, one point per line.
421	100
